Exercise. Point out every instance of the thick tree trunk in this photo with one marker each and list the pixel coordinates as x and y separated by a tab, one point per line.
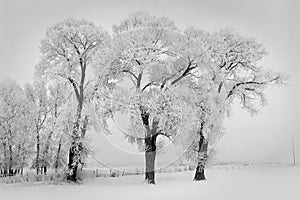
150	146
74	151
73	163
199	174
150	154
202	156
76	146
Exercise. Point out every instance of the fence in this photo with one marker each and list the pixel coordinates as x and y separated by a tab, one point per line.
60	176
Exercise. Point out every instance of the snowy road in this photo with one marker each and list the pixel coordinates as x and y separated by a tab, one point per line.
276	183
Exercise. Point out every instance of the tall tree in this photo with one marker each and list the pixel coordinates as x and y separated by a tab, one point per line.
149	52
233	72
67	51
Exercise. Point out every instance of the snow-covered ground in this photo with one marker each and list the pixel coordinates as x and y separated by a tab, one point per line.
269	183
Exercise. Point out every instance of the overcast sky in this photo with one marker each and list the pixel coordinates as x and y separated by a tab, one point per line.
265	137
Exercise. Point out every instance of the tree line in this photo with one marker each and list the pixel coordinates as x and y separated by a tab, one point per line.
170	84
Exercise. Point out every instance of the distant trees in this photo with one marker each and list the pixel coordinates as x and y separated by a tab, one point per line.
14	126
38	101
55	128
29	127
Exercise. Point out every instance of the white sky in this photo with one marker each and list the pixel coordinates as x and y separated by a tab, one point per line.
265	137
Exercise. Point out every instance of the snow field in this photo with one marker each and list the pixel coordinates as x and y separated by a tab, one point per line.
274	183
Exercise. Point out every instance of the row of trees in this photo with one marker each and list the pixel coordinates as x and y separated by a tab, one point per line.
170	83
33	126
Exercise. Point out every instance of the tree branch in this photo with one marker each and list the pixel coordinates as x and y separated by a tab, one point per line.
75	88
243	83
131	73
139	79
185	73
148	84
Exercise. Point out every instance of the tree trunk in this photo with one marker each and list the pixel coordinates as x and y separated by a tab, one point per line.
23	161
18	156
202	156
45	153
76	146
84	126
74	151
4	159
10	163
199	174
150	154
57	155
73	163
45	170
150	146
37	161
10	167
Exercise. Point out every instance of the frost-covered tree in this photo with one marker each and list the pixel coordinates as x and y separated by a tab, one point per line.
55	124
200	141
14	127
61	135
37	99
149	56
234	71
67	52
